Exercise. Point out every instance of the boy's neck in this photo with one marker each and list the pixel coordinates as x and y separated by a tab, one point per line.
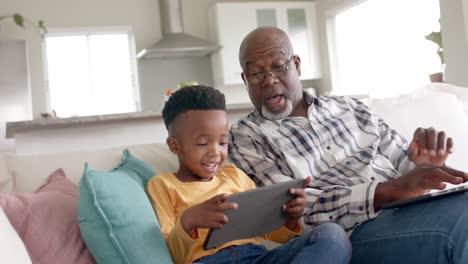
185	177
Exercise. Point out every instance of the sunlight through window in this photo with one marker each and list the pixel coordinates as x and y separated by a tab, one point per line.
380	49
90	74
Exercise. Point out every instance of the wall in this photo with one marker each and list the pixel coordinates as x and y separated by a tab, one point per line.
465	12
141	15
454	24
99	136
156	76
15	102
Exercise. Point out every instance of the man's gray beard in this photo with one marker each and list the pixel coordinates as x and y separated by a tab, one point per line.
285	113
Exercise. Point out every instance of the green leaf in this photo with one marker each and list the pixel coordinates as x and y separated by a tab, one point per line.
19	20
435	37
41	26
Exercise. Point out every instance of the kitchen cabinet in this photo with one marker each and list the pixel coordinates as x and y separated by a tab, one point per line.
231	21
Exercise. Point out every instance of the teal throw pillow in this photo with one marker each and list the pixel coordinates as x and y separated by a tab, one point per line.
116	218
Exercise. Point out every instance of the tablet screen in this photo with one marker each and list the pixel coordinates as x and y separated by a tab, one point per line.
259	212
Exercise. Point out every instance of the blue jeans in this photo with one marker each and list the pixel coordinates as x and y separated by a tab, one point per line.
328	243
429	232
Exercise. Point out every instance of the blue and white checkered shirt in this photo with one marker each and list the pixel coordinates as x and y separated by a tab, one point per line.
346	149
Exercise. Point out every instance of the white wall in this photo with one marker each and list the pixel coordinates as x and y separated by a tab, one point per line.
454	24
156	76
141	15
465	12
15	102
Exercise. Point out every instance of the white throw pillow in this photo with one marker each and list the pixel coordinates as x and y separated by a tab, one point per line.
30	171
440	110
12	248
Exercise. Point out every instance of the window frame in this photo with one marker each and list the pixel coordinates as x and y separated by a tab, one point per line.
85	31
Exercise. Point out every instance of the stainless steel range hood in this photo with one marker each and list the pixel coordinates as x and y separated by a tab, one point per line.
175	43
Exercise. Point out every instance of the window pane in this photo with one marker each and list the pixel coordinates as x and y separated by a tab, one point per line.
381	49
69	80
90	74
111	73
266	17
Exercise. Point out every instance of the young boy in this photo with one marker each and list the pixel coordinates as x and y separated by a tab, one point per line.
192	200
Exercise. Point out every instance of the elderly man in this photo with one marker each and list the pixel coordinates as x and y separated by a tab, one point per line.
356	161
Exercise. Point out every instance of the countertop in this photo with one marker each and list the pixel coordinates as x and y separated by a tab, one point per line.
13	127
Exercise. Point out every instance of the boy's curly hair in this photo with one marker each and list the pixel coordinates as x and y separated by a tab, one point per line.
196	97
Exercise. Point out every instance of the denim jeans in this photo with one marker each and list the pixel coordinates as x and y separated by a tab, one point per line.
429	232
328	243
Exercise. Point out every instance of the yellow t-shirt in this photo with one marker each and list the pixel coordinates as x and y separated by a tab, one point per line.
171	197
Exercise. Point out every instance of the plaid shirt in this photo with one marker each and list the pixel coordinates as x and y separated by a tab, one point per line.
346	149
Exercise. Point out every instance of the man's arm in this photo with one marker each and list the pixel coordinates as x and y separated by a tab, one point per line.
392	145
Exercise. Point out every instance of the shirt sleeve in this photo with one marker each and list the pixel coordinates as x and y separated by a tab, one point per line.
394	147
346	205
178	241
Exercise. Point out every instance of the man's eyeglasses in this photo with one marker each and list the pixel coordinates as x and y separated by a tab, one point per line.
278	71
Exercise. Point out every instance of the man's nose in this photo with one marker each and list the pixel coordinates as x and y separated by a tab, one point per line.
270	79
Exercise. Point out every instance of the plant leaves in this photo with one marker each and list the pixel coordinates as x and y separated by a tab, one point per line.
19	20
41	26
435	37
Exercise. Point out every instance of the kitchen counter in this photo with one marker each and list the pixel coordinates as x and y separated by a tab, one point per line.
12	128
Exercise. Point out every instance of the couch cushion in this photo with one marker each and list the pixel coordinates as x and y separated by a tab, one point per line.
22	167
426	108
115	215
6	181
46	221
13	250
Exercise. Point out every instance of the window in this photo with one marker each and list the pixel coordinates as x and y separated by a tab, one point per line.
91	73
379	49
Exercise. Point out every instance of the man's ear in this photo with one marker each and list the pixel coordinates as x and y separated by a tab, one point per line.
173	145
297	63
243	78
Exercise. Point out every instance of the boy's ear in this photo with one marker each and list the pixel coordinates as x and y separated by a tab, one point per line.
172	144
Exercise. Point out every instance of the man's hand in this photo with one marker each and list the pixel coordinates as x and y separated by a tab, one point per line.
207	214
294	208
429	147
417	182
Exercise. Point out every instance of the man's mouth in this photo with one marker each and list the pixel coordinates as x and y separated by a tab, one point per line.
275	102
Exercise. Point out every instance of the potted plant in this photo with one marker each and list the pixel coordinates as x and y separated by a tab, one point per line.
20	21
436	37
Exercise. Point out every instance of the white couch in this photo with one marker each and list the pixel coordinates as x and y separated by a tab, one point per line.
441	106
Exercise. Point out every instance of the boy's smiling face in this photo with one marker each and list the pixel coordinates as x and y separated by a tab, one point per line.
200	139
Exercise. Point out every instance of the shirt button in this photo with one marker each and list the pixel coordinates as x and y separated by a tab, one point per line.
372	178
347	163
361	208
328	147
331	217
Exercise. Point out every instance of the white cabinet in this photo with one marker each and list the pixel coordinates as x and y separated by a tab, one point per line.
231	21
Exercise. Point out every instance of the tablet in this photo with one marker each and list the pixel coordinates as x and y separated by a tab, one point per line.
427	197
259	212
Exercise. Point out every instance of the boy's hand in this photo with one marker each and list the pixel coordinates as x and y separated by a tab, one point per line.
295	207
207	214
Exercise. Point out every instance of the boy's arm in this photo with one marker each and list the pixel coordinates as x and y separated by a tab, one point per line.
177	240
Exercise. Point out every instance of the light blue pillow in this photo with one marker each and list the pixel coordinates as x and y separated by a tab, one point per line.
116	218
